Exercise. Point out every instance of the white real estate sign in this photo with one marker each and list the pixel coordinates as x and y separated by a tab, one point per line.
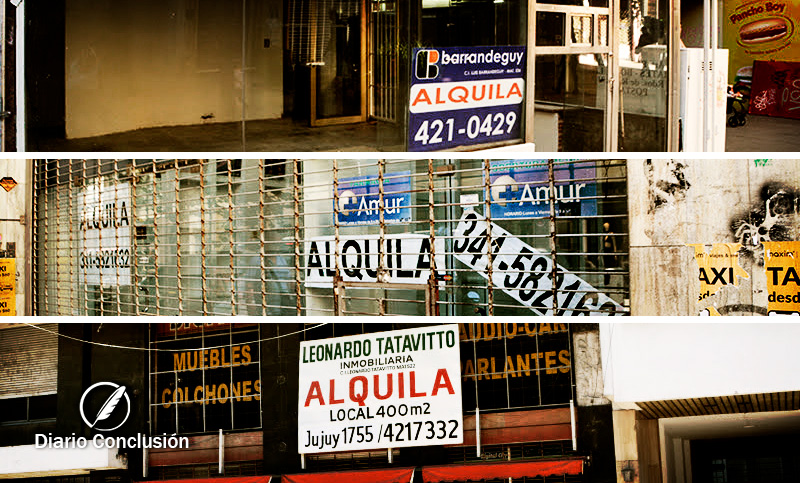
381	390
406	259
524	273
105	235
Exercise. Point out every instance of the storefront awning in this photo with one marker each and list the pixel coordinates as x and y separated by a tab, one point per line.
501	470
390	475
238	479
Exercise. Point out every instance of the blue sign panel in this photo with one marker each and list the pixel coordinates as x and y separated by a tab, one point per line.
359	199
462	96
520	188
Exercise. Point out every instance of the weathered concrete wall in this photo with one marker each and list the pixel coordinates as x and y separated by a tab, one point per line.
13	205
700	234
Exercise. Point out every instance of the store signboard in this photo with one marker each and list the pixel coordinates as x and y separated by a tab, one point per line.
104	234
524	273
382	390
359	199
782	264
463	96
520	189
760	30
406	258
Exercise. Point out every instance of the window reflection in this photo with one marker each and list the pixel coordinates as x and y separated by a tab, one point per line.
582	29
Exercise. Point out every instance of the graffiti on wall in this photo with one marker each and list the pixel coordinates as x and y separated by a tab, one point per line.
774	216
764	240
667	183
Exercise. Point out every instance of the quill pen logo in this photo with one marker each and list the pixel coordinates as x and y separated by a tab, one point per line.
101	420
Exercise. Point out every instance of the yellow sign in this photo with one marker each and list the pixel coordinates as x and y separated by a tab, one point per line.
782	264
760	30
8	183
717	268
8	286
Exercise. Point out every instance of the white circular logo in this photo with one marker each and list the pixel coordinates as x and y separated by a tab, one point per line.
107	408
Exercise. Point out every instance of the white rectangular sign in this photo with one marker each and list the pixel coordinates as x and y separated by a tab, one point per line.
524	272
381	390
105	235
407	259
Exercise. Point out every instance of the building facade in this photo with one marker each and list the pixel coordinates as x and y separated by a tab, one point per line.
309	237
229	394
594	76
691	408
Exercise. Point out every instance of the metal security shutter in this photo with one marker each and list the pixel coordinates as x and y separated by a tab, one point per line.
270	237
28	361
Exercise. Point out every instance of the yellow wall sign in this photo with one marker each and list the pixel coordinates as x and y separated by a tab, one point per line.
760	30
717	268
8	286
782	265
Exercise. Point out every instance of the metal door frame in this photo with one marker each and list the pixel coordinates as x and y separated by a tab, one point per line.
611	51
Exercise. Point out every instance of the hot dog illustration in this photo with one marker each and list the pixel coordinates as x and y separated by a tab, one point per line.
764	30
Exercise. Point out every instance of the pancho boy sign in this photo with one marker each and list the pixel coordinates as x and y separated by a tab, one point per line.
381	390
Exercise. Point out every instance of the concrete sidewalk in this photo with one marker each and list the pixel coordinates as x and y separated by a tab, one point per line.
764	134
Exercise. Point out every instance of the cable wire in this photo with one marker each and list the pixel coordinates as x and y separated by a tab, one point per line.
148	349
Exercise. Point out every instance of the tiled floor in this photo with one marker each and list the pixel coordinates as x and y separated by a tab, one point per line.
279	135
759	134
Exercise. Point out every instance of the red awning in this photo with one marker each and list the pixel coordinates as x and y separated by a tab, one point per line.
391	475
238	479
500	470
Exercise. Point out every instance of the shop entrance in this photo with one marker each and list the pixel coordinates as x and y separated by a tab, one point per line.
338	76
325	69
572	93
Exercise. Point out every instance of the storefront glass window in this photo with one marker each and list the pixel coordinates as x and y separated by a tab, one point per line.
206	75
571	100
644	72
205	377
325	237
572	68
515	365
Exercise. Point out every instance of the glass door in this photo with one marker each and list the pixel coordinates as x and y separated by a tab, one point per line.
572	92
338	76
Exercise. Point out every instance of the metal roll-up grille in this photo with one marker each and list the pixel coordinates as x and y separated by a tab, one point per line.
331	237
28	361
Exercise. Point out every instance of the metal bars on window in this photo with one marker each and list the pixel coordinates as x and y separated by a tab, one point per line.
205	377
325	237
383	59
